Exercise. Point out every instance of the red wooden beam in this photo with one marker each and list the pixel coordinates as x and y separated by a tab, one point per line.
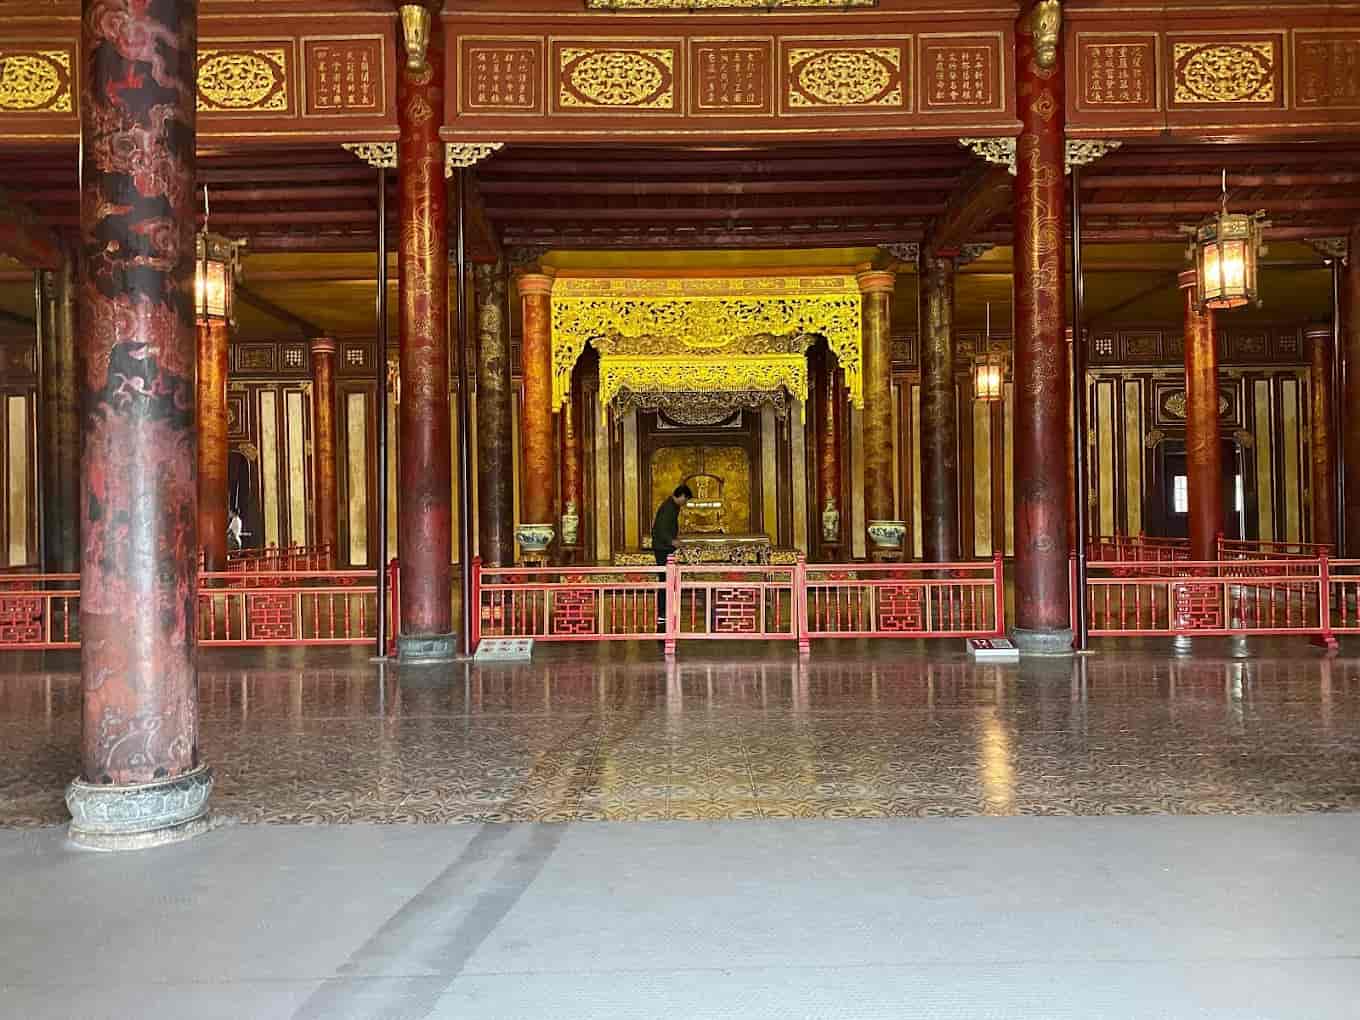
710	215
25	237
883	185
669	166
983	195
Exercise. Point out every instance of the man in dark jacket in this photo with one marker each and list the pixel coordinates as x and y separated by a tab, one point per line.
665	531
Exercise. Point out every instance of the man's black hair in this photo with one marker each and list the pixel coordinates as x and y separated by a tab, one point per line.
683	490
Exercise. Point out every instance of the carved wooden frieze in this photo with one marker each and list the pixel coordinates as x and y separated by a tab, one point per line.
550	77
256	77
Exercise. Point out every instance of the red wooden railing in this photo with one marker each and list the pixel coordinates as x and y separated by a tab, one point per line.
278	608
1234	596
280	559
796	602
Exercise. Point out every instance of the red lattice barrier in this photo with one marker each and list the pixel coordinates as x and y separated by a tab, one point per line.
794	602
283	608
1219	597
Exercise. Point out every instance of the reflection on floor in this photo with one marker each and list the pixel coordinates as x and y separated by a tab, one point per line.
615	734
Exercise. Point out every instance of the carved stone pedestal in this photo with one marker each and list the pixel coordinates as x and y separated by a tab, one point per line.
134	817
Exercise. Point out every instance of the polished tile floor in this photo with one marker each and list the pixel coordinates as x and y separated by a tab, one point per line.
588	733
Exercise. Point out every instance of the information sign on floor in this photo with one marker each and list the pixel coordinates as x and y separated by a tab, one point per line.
993	650
505	650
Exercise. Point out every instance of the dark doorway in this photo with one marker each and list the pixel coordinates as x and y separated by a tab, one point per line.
1170	517
243	496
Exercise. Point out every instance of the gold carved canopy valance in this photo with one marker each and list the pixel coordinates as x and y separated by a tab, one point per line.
723	334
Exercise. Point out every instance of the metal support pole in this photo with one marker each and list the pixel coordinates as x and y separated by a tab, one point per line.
1081	482
464	419
380	413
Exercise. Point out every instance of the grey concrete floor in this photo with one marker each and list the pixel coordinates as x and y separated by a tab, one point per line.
1149	917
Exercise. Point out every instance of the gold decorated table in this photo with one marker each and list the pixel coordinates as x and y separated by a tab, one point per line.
716	550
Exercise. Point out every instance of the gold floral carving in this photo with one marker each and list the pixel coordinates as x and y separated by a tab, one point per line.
1235	72
237	80
641	79
382	155
721	375
868	76
703	322
1175	405
688	407
35	80
464	155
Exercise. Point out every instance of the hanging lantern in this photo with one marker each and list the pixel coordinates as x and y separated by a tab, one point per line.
1226	250
989	378
217	260
989	370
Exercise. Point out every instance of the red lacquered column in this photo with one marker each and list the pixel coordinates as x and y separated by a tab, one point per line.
1203	451
324	443
495	426
1323	442
141	781
887	532
939	418
212	443
573	478
425	497
1350	419
829	427
538	467
1042	502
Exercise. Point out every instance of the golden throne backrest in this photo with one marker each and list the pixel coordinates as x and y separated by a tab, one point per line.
705	514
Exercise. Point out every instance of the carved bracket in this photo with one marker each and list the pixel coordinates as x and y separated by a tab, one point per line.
461	156
382	155
1001	151
908	252
1331	248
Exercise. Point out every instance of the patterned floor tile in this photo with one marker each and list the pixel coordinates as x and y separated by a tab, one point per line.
588	736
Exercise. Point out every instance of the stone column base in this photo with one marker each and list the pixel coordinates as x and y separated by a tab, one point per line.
140	815
427	648
1043	642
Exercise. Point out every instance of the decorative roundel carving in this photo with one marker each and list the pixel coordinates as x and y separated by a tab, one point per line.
34	81
241	81
845	77
1225	72
617	78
